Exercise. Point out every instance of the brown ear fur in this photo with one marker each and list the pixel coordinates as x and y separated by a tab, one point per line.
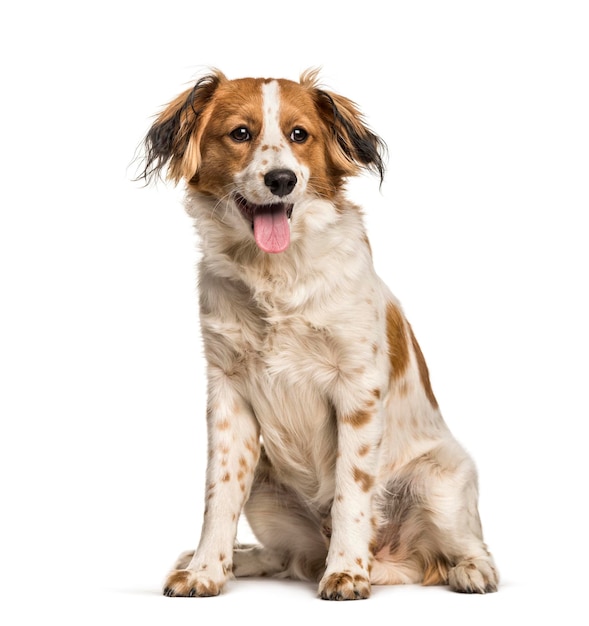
352	145
174	139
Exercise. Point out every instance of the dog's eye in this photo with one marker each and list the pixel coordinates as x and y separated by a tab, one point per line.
240	134
299	135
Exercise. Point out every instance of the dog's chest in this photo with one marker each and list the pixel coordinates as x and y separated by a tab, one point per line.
288	362
285	385
284	375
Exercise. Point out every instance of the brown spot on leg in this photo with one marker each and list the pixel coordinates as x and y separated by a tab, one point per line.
226	477
365	480
252	446
364	450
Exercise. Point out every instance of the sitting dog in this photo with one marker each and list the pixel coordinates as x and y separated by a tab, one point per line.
322	423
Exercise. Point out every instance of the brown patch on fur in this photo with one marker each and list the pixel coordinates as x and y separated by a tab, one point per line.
226	477
178	578
397	341
364	450
251	446
402	388
376	393
358	418
365	480
175	137
223	424
423	371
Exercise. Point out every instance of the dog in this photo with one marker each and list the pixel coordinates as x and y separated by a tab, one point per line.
322	424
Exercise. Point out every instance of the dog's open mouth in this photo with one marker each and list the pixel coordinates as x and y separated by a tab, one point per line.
270	223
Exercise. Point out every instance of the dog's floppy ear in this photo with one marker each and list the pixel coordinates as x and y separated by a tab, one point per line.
353	145
174	138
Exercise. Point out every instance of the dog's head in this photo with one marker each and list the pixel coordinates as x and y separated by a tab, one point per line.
262	145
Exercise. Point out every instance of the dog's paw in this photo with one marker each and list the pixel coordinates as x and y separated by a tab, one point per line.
189	583
344	586
477	575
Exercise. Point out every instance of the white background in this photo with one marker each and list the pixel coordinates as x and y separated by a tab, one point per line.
480	229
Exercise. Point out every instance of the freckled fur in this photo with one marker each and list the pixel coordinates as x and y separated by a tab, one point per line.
358	479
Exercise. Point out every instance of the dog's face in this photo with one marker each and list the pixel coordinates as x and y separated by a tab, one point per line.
264	146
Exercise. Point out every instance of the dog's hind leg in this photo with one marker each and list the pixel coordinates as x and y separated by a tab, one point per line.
450	498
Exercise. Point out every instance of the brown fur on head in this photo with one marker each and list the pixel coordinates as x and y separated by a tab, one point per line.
175	140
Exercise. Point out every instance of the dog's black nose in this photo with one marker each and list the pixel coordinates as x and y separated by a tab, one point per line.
280	182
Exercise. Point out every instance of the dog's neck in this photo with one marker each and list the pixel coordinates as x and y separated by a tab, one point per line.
320	253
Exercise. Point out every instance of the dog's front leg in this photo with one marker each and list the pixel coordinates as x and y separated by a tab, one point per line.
353	523
234	449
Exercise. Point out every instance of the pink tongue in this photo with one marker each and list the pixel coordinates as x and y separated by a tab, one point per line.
271	229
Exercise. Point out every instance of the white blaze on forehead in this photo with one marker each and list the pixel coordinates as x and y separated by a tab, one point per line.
272	134
274	149
272	152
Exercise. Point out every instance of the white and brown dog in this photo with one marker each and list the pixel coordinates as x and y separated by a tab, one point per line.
322	423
